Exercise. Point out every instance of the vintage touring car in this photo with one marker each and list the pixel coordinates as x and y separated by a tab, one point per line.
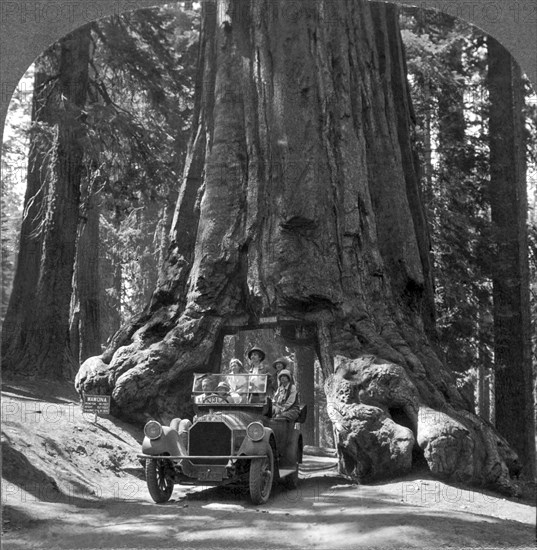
232	440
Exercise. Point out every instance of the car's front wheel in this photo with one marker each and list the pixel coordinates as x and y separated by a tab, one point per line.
261	478
159	477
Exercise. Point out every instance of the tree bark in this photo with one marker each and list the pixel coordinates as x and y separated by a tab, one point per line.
44	345
21	304
508	199
239	350
305	358
85	331
307	210
485	361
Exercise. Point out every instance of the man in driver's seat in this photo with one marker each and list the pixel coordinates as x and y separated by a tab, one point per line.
207	387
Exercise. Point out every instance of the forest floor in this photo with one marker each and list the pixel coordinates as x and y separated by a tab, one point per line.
68	482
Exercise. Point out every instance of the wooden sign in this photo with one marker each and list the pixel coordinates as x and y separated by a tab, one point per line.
98	404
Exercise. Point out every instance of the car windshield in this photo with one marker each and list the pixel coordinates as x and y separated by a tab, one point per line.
232	388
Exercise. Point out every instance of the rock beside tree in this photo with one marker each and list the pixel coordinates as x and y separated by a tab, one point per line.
383	424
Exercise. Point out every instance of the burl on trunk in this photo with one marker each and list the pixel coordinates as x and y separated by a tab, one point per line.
300	199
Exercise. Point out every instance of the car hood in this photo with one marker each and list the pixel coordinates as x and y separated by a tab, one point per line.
236	420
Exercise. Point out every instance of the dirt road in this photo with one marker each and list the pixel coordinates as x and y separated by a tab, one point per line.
325	512
70	483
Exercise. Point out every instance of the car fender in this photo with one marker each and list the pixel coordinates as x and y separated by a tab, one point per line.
167	443
260	447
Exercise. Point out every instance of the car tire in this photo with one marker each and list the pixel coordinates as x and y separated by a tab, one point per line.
261	477
159	482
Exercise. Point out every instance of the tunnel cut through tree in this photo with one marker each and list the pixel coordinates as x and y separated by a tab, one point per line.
300	200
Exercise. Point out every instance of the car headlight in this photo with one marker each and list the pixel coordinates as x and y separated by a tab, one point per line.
255	431
153	429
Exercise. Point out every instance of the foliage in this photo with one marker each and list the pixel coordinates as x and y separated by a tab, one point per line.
447	64
137	126
531	119
14	165
142	94
446	67
10	229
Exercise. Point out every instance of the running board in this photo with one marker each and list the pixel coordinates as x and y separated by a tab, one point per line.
219	457
286	471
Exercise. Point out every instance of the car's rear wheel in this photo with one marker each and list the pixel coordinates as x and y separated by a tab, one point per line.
261	478
159	477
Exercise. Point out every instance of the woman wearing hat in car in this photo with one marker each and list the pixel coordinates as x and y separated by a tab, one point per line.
256	356
285	404
277	366
236	377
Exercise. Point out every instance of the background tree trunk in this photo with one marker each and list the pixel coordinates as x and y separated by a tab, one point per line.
239	350
85	331
508	199
44	345
307	208
305	359
21	304
485	365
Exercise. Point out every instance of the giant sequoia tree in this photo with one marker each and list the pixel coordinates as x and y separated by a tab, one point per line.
300	200
36	329
510	270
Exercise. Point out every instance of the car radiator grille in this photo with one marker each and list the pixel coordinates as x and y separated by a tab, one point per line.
209	439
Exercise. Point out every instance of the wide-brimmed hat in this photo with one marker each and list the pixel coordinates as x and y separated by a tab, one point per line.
259	350
287	373
282	360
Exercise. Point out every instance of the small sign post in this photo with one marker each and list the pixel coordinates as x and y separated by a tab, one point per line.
97	404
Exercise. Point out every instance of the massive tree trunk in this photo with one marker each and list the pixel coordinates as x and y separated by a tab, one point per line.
512	322
300	201
85	322
21	304
42	345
